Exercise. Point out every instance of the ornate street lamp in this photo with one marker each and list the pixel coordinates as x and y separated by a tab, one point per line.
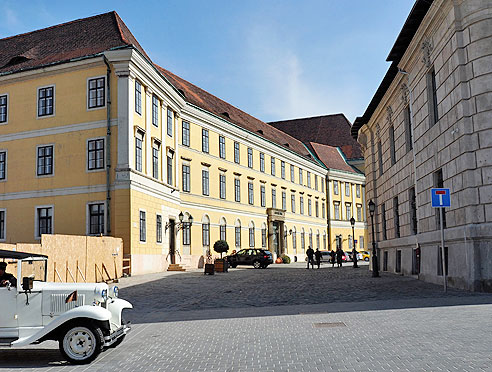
354	251
375	270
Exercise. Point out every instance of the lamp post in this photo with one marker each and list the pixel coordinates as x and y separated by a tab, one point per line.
375	270
354	251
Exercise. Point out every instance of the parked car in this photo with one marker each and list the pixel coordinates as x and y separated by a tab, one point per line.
259	258
364	255
347	257
325	256
85	318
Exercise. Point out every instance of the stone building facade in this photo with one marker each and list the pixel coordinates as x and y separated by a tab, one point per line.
430	125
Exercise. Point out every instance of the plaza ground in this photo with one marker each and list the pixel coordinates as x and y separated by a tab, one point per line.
287	318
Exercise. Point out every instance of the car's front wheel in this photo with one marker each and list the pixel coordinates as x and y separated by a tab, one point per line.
256	264
81	344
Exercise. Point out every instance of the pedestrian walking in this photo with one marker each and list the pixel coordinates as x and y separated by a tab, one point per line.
354	258
332	258
317	255
310	254
339	257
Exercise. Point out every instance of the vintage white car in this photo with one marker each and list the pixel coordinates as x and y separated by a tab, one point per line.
84	318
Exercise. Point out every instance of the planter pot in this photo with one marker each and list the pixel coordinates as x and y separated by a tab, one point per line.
209	269
221	265
279	260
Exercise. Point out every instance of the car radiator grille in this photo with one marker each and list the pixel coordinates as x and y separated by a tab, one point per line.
58	304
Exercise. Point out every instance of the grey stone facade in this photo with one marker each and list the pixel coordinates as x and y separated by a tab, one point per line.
454	41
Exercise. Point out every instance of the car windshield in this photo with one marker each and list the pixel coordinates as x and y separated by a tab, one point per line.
35	269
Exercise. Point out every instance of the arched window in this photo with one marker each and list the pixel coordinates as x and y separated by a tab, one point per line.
205	231
303	239
294	239
324	240
311	238
186	229
251	234
317	239
237	234
263	235
223	227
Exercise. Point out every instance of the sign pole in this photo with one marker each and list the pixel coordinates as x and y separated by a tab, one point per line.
443	256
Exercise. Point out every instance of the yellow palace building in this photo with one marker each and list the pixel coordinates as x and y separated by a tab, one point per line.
97	139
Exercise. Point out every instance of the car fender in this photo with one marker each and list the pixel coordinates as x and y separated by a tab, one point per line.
116	306
87	311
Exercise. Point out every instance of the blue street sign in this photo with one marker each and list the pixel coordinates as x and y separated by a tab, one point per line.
440	198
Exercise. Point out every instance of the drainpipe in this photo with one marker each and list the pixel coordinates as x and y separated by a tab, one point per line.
108	145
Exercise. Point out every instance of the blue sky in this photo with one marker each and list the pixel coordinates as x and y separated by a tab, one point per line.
273	59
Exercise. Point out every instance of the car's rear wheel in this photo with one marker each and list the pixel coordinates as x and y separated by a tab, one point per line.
256	264
81	344
366	259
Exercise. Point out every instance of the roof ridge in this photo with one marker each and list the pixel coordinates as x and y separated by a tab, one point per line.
309	117
220	99
58	25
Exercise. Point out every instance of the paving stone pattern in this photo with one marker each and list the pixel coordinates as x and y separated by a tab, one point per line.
416	331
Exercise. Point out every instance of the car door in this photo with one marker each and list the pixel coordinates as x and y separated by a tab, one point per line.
8	314
241	257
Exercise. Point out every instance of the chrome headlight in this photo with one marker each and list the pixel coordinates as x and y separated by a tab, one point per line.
104	294
114	291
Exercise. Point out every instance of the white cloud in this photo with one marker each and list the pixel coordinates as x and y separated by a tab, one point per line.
290	86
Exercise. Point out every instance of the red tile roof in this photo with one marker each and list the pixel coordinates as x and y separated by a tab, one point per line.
90	36
332	130
331	157
65	42
210	103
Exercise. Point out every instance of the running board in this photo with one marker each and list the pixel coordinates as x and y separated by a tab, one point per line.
7	341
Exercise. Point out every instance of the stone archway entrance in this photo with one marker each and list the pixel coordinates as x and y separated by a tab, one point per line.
276	239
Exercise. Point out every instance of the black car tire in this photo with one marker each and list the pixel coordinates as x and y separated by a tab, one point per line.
233	265
257	264
366	259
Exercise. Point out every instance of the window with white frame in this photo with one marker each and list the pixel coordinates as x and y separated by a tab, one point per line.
336	206
185	126
95	154
155	110
143	226
323	210
335	187
205	182
263	237
316	182
169	166
250	157
359	212
96	218
251	194
3	165
293	203
311	238
300	177
357	191
96	92
237	235
138	152
347	189
348	211
44	221
158	229
262	196
294	240
274	197
3	225
237	158
45	160
205	140
46	101
308	176
309	207
3	108
317	240
206	234
155	161
138	97
186	233
284	200
251	235
169	122
282	169
222	149
292	173
316	208
223	230
273	166
322	184
237	189
361	242
222	186
186	177
262	162
301	204
303	240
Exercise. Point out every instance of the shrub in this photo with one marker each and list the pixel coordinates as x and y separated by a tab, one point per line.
221	246
286	259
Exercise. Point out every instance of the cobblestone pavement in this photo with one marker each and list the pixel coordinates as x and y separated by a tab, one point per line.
287	318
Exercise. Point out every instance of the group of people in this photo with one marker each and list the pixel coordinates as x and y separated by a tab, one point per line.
338	256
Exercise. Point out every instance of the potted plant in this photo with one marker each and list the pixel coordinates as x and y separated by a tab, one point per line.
285	259
221	246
